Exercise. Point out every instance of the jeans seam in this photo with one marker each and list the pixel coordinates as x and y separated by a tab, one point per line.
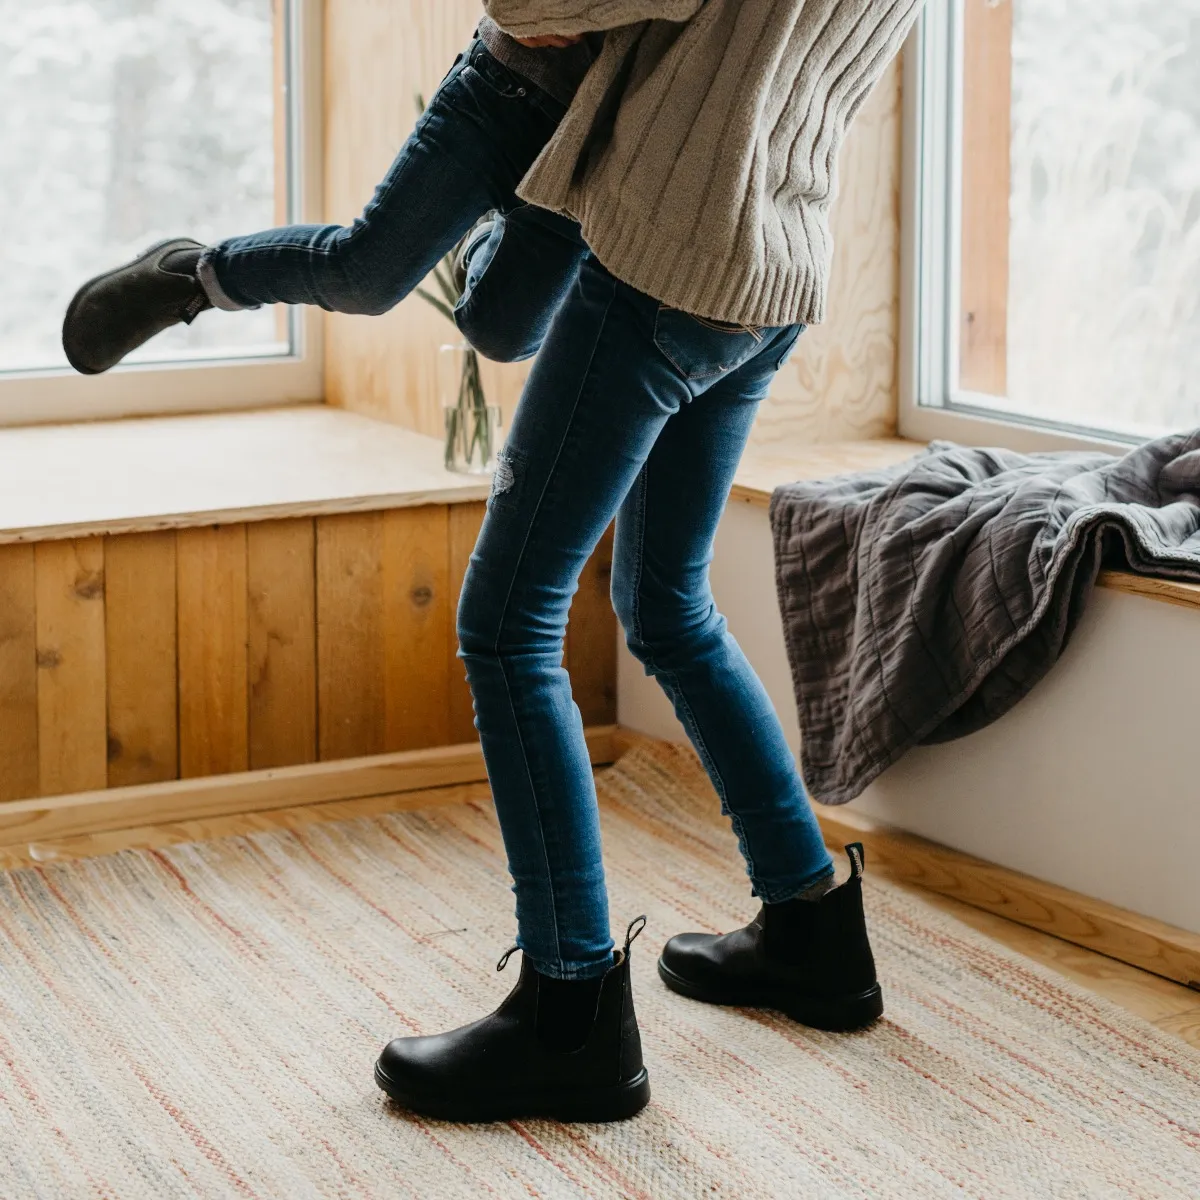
693	726
504	610
640	553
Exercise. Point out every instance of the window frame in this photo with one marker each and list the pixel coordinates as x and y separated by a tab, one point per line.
931	406
219	384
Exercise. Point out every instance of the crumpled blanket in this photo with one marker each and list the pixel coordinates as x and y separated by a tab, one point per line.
922	601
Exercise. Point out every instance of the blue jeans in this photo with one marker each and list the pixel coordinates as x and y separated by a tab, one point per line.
640	412
471	148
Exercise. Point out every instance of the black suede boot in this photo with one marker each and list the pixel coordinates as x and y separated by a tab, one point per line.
115	313
566	1050
807	958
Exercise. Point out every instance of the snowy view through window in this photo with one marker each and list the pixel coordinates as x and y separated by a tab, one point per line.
123	122
1104	300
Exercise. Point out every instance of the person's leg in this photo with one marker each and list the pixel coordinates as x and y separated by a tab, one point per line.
518	272
597	397
470	149
807	952
660	585
596	400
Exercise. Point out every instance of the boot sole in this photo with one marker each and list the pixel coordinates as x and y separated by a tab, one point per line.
597	1104
83	293
838	1014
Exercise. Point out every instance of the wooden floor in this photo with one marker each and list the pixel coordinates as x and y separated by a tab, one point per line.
1168	1005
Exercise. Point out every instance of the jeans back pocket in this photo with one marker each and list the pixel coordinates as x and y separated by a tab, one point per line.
699	348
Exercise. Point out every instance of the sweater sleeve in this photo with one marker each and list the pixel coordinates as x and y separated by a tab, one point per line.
535	18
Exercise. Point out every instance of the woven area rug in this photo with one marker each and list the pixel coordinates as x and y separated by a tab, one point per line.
202	1022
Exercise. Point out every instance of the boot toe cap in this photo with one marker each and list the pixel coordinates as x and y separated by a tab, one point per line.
408	1065
691	957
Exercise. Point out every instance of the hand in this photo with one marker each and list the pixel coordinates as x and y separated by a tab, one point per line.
551	40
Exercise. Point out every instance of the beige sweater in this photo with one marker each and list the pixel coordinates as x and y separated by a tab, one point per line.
700	153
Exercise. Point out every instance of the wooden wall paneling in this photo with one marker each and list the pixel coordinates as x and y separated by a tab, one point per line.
378	55
417	623
987	185
213	633
841	383
72	709
19	772
282	640
465	523
350	636
592	640
140	638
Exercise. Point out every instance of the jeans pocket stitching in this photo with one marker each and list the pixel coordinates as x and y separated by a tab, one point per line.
683	371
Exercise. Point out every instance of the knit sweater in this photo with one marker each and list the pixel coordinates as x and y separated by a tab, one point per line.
700	153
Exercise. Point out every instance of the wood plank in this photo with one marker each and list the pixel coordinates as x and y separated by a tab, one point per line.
18	674
174	833
143	677
987	186
764	468
465	522
184	472
417	621
72	710
1186	595
592	639
1104	928
282	635
41	819
213	711
1150	996
350	676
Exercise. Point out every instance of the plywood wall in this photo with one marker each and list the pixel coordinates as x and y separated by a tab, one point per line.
840	385
379	55
143	658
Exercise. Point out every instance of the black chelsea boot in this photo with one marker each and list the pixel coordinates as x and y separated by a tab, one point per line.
809	959
119	311
564	1050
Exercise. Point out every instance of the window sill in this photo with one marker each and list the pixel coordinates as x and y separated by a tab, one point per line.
68	481
762	471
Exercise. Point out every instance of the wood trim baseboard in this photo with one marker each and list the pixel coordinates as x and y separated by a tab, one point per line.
48	818
1104	928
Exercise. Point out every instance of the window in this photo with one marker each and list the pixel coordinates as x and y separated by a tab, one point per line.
1053	251
124	122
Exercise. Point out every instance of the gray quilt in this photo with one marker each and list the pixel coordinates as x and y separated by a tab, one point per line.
921	602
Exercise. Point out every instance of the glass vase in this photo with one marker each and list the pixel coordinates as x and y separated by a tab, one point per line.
472	425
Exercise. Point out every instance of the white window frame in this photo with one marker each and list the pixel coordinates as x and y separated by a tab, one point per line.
932	406
219	384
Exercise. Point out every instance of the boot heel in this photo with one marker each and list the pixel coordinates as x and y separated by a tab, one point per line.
841	1014
610	1104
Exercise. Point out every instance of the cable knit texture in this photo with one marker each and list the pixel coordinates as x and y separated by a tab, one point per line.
700	153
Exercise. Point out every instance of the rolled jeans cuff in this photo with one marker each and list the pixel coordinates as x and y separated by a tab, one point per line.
206	272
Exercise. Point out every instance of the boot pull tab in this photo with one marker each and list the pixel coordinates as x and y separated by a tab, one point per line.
858	859
506	956
634	931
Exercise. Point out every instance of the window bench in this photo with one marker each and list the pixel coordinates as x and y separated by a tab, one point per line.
231	612
762	471
134	476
